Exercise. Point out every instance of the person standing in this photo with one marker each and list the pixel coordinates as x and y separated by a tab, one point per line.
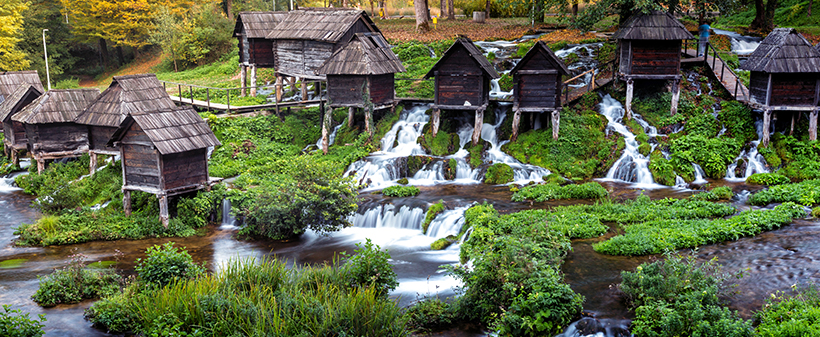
704	31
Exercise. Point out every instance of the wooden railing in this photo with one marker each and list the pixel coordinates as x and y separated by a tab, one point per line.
187	96
715	54
605	71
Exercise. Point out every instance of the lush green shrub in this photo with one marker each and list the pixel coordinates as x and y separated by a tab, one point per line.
75	283
116	313
767	179
804	193
544	192
555	178
13	323
165	264
702	125
718	193
662	171
430	314
545	310
712	154
642	209
432	212
369	268
506	82
400	191
797	314
407	51
499	173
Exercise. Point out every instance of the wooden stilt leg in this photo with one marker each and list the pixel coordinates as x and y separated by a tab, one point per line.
368	119
479	122
126	202
813	125
92	166
630	87
15	157
516	120
556	123
253	80
791	128
6	151
350	112
675	96
326	129
278	88
304	90
243	79
41	165
163	210
533	114
767	121
436	118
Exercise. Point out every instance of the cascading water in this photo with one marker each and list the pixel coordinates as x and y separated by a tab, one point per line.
741	45
523	173
7	184
699	180
447	223
755	163
228	220
330	138
632	166
586	61
389	216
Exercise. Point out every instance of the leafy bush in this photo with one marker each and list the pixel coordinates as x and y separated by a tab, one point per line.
13	323
75	283
430	314
499	173
534	313
815	212
712	154
718	193
400	191
790	315
544	192
804	193
407	51
432	212
767	179
165	264
370	268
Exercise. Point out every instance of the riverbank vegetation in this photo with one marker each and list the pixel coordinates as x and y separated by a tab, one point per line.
553	191
76	282
15	323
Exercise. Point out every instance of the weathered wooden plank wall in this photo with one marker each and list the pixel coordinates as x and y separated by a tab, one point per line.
261	52
655	57
185	168
98	137
758	86
794	89
345	90
57	137
140	159
382	88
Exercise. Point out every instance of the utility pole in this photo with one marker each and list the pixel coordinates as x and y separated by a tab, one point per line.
45	51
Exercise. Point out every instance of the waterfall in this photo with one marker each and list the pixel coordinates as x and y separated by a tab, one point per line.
632	166
523	173
585	61
7	184
755	163
447	223
699	180
741	45
594	327
228	220
680	183
496	92
388	216
330	138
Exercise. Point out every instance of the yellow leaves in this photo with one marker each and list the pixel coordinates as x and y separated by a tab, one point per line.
11	22
568	35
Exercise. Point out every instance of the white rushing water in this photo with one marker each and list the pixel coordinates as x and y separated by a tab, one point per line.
699	180
228	220
755	163
447	223
330	138
523	173
586	61
632	166
741	45
7	185
389	216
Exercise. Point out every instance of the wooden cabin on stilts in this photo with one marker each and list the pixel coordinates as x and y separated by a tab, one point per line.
650	49
785	76
125	94
538	86
11	102
360	76
50	128
307	37
165	153
462	78
255	50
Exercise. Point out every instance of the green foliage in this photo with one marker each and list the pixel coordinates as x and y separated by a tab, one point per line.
661	169
442	144
554	178
407	51
506	82
370	268
403	181
432	212
11	14
534	313
654	237
642	209
75	283
400	191
767	179
552	191
444	242
14	323
193	38
69	83
702	125
804	193
475	155
499	173
679	296
165	264
799	158
712	154
409	84
430	314
794	314
738	121
718	193
815	212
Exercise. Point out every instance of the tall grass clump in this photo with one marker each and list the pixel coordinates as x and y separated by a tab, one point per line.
75	282
432	212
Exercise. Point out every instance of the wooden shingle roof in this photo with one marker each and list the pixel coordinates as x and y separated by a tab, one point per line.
472	50
10	80
257	25
319	24
14	101
126	94
173	130
365	54
656	25
56	106
784	50
541	50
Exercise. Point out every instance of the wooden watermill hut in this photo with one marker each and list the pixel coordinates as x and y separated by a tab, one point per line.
537	85
785	76
125	94
50	128
305	38
360	76
255	50
462	77
14	133
650	49
164	152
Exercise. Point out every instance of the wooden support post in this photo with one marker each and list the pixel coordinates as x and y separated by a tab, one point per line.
368	119
556	123
515	122
351	111
163	210
15	157
630	87
791	128
92	165
317	90
435	120
278	87
304	90
479	122
126	202
326	129
243	78
532	120
253	80
767	121
813	125
675	96
41	165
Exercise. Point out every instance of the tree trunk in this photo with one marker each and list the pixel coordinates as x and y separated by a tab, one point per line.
764	15
673	6
229	9
451	11
119	55
574	9
372	10
443	8
422	24
538	9
427	10
487	10
104	52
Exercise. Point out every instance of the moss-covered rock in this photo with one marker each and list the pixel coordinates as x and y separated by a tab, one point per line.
442	144
432	212
768	179
403	181
499	173
554	178
443	243
416	163
400	191
476	152
450	169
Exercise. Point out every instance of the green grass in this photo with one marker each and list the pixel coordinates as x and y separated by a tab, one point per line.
552	191
499	173
75	283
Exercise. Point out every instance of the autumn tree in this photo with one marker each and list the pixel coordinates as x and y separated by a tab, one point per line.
194	37
11	22
422	18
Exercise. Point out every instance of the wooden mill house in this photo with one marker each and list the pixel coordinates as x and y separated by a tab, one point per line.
360	76
164	152
50	128
126	94
305	38
17	89
538	86
255	50
785	76
650	49
462	82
